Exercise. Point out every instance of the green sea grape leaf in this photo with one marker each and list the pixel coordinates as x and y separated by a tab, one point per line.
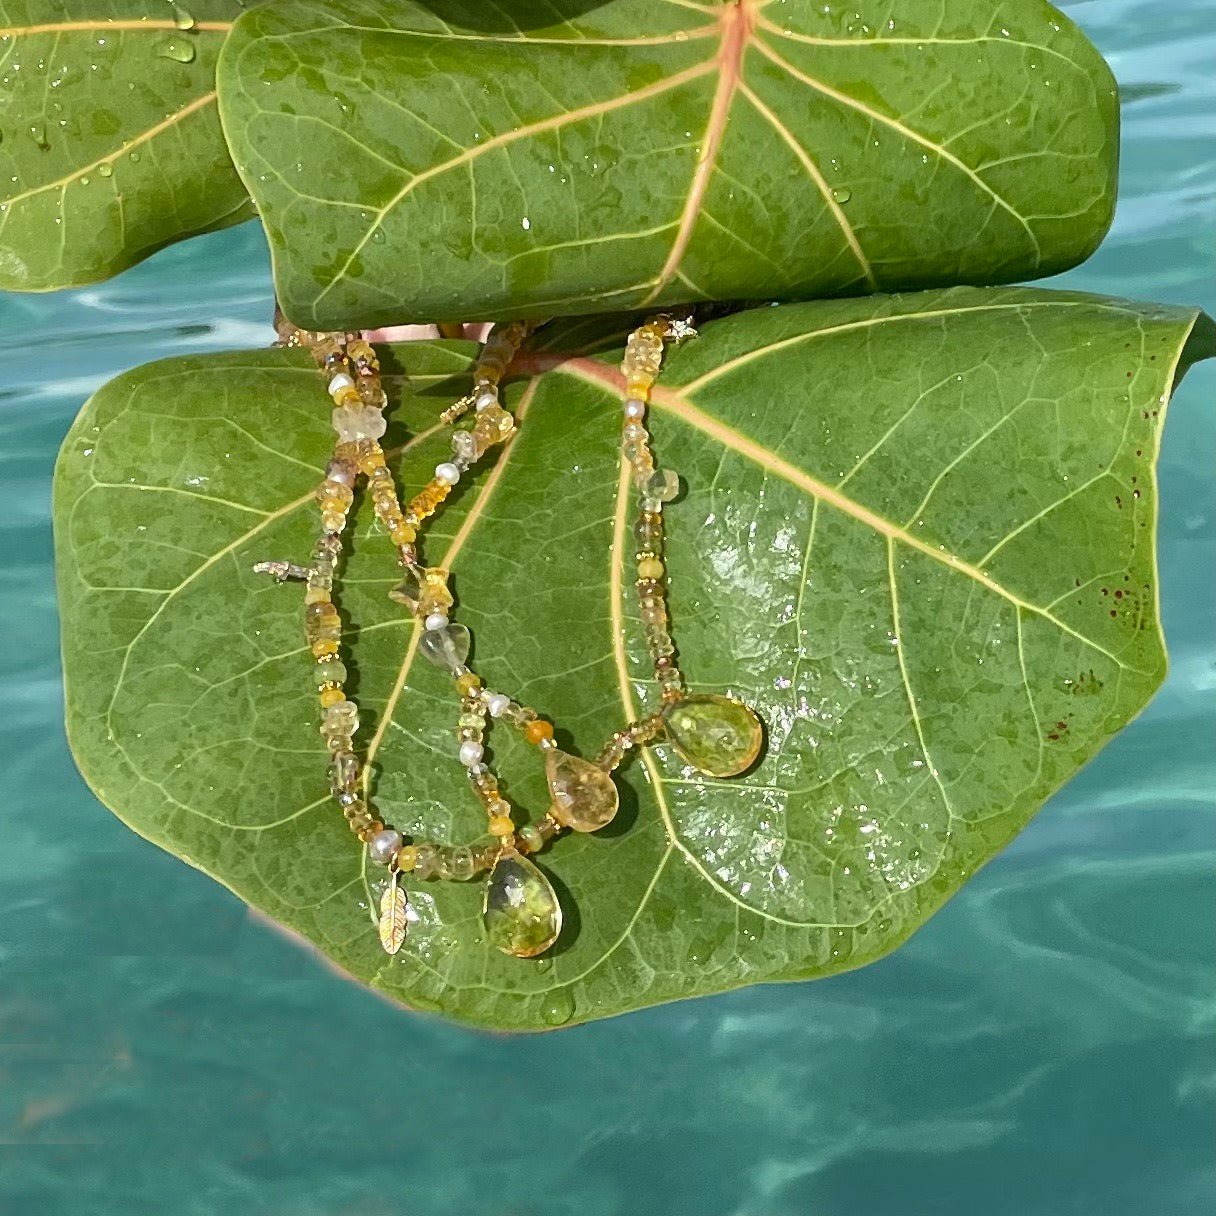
448	158
918	536
110	144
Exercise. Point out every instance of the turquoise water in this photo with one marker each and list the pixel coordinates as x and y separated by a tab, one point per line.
1044	1047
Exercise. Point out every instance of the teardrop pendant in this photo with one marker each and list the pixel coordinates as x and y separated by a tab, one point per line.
585	797
520	912
716	734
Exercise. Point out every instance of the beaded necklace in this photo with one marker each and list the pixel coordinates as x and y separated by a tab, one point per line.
715	734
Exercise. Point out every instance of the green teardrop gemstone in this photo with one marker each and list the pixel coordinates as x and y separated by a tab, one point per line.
584	796
714	733
521	912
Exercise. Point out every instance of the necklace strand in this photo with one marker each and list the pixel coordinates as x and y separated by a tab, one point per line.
716	734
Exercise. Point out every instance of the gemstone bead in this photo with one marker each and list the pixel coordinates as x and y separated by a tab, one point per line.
521	913
409	590
423	589
716	734
353	422
460	864
447	647
585	797
661	486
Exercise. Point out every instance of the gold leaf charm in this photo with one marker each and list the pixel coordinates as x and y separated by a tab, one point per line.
392	917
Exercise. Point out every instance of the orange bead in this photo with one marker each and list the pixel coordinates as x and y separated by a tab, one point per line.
403	535
324	646
538	731
331	696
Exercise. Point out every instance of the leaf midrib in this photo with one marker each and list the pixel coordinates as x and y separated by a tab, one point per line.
738	23
680	405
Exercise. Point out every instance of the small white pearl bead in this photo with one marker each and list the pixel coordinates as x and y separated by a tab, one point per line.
436	620
447	472
383	846
487	398
470	753
635	408
497	704
340	381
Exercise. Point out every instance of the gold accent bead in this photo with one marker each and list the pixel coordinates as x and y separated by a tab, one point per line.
323	646
650	568
501	825
466	683
407	858
331	694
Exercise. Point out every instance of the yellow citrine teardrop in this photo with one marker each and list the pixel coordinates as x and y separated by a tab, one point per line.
716	734
584	796
521	912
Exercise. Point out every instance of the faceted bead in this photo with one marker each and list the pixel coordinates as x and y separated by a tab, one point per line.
493	425
343	773
585	797
423	590
643	353
341	719
426	860
716	734
332	671
372	394
409	590
521	913
661	486
648	534
447	647
465	447
353	422
460	863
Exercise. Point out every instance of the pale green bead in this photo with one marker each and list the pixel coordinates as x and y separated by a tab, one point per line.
661	486
447	647
716	734
521	913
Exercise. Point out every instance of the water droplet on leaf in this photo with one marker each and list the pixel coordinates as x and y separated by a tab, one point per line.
179	50
557	1008
841	194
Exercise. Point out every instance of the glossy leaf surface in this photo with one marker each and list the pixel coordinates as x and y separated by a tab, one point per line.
918	537
424	159
110	146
